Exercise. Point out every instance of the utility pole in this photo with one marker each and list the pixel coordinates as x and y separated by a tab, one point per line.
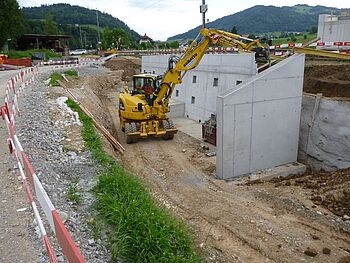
84	32
98	27
203	10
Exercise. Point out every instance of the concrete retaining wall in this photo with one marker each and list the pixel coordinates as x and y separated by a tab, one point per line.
325	142
258	122
200	95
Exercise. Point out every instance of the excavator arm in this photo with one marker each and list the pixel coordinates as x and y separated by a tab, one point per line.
178	66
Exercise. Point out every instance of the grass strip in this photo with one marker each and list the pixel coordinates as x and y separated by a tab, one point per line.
55	77
141	231
28	53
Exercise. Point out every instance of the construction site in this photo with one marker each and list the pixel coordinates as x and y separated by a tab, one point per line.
253	156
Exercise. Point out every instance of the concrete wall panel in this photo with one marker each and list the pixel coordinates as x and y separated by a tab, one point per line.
259	120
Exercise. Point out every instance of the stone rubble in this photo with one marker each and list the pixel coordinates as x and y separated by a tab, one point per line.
42	138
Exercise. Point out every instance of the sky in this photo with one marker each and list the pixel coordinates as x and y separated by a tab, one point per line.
161	19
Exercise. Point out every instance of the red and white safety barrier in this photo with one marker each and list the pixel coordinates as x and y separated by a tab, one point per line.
68	63
9	112
316	44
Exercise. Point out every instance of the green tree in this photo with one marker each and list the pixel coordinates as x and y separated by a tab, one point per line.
50	25
145	45
174	44
313	30
11	21
234	30
120	38
115	38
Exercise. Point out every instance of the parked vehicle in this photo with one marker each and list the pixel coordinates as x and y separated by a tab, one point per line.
78	52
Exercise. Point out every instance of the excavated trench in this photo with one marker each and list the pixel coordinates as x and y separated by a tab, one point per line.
232	222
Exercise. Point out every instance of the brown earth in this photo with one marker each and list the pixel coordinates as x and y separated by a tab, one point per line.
331	190
332	78
232	222
129	65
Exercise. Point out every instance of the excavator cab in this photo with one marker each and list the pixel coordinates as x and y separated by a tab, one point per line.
144	83
261	54
147	85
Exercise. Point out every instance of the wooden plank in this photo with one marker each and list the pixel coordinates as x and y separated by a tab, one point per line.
116	144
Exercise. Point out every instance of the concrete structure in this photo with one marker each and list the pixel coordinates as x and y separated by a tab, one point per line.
325	133
258	121
177	109
334	28
215	74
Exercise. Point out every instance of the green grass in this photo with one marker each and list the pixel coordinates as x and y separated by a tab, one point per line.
28	53
55	77
71	73
73	193
141	230
299	39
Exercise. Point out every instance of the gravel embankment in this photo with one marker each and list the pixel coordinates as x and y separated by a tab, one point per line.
42	129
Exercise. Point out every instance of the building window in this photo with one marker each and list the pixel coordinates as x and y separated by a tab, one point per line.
193	100
154	72
238	82
194	79
216	82
177	93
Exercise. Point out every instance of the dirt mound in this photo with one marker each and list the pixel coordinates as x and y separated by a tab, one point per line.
329	189
129	65
330	80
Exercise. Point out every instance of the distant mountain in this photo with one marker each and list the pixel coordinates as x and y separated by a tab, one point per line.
67	16
262	19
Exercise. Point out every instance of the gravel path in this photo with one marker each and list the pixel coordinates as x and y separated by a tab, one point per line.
44	129
16	227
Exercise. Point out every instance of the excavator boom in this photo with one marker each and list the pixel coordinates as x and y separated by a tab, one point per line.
143	113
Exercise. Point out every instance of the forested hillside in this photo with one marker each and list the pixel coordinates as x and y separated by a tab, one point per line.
262	19
68	17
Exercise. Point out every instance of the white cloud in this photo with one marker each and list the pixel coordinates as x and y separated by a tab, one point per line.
161	19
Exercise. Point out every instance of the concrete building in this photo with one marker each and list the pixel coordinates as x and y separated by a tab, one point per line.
334	28
195	98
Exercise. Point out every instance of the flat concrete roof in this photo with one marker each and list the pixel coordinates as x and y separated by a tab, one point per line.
44	37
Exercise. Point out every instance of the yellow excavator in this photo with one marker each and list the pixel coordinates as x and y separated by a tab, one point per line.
143	108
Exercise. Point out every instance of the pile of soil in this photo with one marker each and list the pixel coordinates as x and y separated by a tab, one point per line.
130	65
328	189
332	80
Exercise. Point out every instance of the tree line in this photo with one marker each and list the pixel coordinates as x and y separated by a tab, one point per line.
15	21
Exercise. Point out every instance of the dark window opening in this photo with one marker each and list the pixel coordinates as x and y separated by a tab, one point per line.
177	93
193	100
238	82
216	82
194	79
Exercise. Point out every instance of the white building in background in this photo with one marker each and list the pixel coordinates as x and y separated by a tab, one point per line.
196	97
334	28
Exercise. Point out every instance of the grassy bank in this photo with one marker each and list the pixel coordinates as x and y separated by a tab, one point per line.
29	53
140	230
297	39
55	77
